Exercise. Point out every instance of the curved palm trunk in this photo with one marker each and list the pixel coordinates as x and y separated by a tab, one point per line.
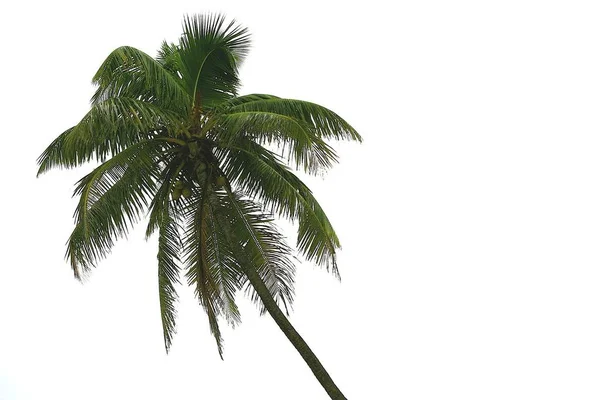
284	324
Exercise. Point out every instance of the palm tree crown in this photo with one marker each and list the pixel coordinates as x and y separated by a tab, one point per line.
175	140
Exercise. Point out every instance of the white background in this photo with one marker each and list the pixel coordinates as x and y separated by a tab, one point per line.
469	218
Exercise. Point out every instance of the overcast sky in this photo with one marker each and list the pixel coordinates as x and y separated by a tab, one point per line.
469	217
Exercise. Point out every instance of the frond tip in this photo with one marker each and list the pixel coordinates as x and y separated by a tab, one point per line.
168	274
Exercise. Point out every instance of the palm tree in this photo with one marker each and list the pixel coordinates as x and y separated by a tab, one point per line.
210	168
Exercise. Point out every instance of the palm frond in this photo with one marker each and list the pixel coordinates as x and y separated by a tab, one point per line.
324	122
53	156
239	100
211	53
223	261
169	245
129	72
164	217
264	249
258	172
296	139
112	198
109	127
160	202
168	56
196	258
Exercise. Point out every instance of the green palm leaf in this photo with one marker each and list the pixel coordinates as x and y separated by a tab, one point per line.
129	72
259	172
113	196
109	127
211	53
262	248
196	258
324	122
168	273
223	260
293	137
164	217
169	57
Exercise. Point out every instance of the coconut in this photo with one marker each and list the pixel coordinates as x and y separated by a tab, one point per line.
193	146
220	181
179	185
176	194
187	192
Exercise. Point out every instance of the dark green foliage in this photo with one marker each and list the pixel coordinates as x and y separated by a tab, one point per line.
174	140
